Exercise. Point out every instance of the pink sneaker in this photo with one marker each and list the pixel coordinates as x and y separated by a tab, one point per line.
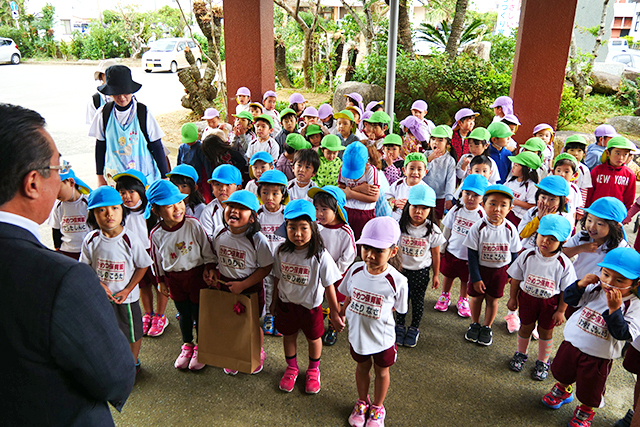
194	365
288	380
146	323
443	302
376	416
358	416
263	356
229	371
513	322
463	307
182	362
158	325
313	381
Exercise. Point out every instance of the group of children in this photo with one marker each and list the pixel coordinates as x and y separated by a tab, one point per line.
307	226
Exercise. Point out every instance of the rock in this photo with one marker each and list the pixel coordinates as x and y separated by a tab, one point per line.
369	93
562	135
631	75
482	50
605	83
615	68
626	124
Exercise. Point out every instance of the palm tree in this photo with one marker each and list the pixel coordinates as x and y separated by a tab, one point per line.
439	35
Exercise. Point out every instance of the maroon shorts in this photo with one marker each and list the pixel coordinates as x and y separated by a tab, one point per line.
588	372
384	359
636	245
439	208
75	255
358	218
532	309
632	360
290	318
257	288
185	285
149	279
494	281
513	218
452	267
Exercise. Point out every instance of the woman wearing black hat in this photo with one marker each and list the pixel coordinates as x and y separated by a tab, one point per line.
127	135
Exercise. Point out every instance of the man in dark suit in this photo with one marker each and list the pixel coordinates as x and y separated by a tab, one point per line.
63	356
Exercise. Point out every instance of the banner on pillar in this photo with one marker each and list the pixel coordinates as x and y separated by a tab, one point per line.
508	16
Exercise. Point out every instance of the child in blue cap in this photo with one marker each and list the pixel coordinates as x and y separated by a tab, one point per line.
359	181
182	257
68	216
259	163
608	317
119	259
185	177
242	254
305	272
538	279
225	179
493	243
190	152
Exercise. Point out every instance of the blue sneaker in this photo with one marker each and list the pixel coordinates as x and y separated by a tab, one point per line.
411	338
268	326
401	331
558	397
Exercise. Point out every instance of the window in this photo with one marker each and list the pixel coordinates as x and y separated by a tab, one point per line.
181	46
66	23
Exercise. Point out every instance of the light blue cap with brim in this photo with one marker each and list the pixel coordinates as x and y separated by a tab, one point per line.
300	207
338	194
104	196
133	173
422	195
261	155
625	261
476	183
226	174
556	226
354	160
82	187
185	170
245	198
162	193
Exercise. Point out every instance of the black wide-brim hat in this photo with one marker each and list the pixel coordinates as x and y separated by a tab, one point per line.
119	81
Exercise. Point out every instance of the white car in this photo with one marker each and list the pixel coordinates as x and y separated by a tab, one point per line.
9	51
168	55
630	59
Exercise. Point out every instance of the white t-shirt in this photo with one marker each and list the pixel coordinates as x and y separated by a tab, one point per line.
587	330
136	224
270	146
124	118
71	219
277	127
530	242
301	278
547	155
91	107
494	243
575	202
542	277
238	257
584	177
297	192
182	248
523	191
340	243
195	212
462	174
587	262
459	221
399	190
370	177
370	312
252	186
212	217
115	259
269	223
416	248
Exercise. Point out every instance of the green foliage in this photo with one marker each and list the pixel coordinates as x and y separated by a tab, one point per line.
439	36
47	21
502	51
65	50
600	107
22	38
572	110
591	30
101	42
627	94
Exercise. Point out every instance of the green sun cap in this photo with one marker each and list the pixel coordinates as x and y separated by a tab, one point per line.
528	159
286	112
313	129
344	114
392	139
297	141
244	115
481	134
442	131
332	143
379	117
566	156
620	142
267	118
415	157
576	138
499	130
534	144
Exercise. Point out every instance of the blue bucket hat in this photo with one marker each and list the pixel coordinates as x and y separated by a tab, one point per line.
556	226
162	193
104	196
82	187
245	198
554	184
608	208
499	188
422	195
226	174
625	261
354	160
133	173
336	193
261	155
476	183
185	170
300	207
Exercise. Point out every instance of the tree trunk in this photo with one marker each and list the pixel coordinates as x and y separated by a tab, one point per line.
404	27
306	58
457	26
600	34
337	60
200	93
281	63
352	54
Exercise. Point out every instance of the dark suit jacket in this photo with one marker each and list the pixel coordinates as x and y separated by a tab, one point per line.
63	356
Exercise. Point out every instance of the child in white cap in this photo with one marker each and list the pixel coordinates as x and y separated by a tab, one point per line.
269	102
243	98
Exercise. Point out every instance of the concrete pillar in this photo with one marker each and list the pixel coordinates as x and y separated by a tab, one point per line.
249	51
542	49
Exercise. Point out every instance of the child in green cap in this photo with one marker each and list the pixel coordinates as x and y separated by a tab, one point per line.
523	182
613	177
263	141
294	142
376	128
392	162
441	175
242	132
500	134
414	168
330	163
576	145
313	133
478	145
289	122
346	127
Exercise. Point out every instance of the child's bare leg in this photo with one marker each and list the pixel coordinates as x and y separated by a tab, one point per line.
475	305
363	379
447	283
161	302
526	330
290	344
146	297
490	311
381	384
315	348
463	289
135	349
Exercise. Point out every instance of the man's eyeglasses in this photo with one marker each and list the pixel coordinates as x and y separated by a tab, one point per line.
63	167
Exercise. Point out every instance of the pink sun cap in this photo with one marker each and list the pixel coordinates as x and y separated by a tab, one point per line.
243	91
605	130
381	233
324	111
268	94
296	98
420	105
310	112
210	113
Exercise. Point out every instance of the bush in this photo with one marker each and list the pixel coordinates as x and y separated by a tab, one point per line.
21	37
100	42
572	109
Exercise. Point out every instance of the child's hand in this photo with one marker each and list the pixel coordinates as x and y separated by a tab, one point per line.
435	154
479	286
448	204
543	209
435	283
236	287
465	163
512	304
336	321
273	307
588	247
210	277
164	289
587	280
109	293
400	203
121	296
558	318
614	299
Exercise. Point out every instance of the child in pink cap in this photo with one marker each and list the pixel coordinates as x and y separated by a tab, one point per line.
546	133
269	102
325	114
212	116
296	103
243	98
462	127
501	106
420	109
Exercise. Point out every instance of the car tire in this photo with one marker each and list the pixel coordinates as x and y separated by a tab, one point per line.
198	63
174	67
15	59
147	70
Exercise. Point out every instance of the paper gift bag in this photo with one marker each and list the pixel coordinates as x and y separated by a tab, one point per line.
227	338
